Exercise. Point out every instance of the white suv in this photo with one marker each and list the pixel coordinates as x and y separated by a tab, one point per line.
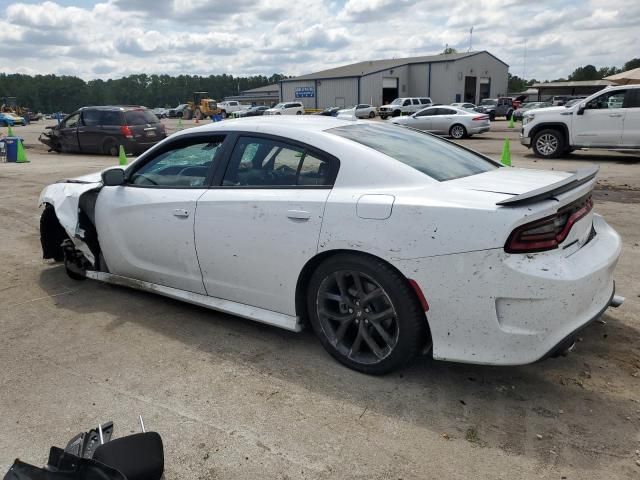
608	119
286	108
402	106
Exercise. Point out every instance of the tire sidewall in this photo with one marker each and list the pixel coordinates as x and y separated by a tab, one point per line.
464	131
559	138
411	320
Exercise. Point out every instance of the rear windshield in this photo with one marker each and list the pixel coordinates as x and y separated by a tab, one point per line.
140	117
430	155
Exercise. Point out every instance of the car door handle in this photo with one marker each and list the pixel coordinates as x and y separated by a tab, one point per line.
180	212
615	114
298	214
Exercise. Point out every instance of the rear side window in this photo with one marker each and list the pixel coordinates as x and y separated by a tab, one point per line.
263	162
425	101
110	117
140	117
415	101
430	155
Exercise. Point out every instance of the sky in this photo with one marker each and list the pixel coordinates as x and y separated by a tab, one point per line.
542	39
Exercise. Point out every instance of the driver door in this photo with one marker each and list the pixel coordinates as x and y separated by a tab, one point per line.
423	120
146	226
68	132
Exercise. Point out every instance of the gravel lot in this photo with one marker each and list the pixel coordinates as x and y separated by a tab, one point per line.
236	399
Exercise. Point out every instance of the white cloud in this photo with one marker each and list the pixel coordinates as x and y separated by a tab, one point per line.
242	37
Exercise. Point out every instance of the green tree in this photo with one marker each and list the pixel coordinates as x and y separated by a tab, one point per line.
631	64
448	51
588	72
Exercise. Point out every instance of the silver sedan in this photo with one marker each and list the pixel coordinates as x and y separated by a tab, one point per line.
447	120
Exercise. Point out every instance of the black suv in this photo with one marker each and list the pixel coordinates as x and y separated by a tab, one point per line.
104	129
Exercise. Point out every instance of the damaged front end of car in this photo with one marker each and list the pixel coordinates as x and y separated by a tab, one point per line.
67	224
51	138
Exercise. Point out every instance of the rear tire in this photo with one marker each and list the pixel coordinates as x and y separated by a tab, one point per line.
365	313
457	131
110	147
372	114
298	112
548	144
492	117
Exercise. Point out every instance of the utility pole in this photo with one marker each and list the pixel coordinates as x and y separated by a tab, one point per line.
470	38
524	69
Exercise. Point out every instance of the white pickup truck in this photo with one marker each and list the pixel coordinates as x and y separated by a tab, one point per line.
231	106
608	119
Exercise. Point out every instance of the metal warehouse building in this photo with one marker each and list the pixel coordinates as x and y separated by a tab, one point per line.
457	77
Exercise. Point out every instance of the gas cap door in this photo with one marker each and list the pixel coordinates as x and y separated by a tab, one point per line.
375	206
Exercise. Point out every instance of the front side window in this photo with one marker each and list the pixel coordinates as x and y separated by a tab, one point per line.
608	100
262	162
430	155
186	166
426	112
72	121
415	101
406	103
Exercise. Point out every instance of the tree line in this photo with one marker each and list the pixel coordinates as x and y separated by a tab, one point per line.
586	72
52	93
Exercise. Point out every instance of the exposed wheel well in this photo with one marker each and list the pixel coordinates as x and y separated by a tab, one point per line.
312	264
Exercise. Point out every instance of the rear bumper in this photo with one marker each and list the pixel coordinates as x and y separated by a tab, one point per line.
482	129
131	145
500	309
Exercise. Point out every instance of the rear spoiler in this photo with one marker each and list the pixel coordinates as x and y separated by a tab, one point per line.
580	177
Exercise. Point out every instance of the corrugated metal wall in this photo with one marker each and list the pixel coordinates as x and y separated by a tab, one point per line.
289	93
447	81
371	85
339	92
447	78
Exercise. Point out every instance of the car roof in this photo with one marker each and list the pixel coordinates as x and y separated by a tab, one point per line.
116	107
283	125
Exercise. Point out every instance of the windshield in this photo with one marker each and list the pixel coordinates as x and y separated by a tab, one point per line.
140	117
397	101
430	155
488	101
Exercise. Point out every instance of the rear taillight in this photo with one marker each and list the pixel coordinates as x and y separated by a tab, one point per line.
126	131
481	117
549	232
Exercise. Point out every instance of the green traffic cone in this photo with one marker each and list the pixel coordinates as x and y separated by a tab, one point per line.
122	157
180	126
22	155
9	131
511	124
505	159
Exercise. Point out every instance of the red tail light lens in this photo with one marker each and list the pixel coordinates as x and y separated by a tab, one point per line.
126	131
549	232
481	117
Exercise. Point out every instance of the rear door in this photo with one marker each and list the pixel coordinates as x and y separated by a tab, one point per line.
602	121
256	231
631	131
146	226
68	131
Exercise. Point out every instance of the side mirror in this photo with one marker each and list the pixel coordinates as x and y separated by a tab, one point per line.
113	177
582	108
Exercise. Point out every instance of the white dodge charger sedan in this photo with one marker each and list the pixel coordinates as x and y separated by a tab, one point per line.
387	241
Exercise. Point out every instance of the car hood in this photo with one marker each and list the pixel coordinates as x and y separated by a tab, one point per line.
509	181
549	110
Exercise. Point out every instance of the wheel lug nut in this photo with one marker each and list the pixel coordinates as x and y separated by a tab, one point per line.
351	310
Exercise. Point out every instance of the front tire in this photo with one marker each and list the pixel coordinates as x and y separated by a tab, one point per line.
365	314
457	131
548	144
397	113
383	117
372	114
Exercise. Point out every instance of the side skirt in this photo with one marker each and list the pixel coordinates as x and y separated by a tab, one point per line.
261	315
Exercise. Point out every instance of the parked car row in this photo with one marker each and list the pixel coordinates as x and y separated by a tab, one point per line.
8	119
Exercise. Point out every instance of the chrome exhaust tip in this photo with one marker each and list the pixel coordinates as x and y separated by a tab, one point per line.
616	301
